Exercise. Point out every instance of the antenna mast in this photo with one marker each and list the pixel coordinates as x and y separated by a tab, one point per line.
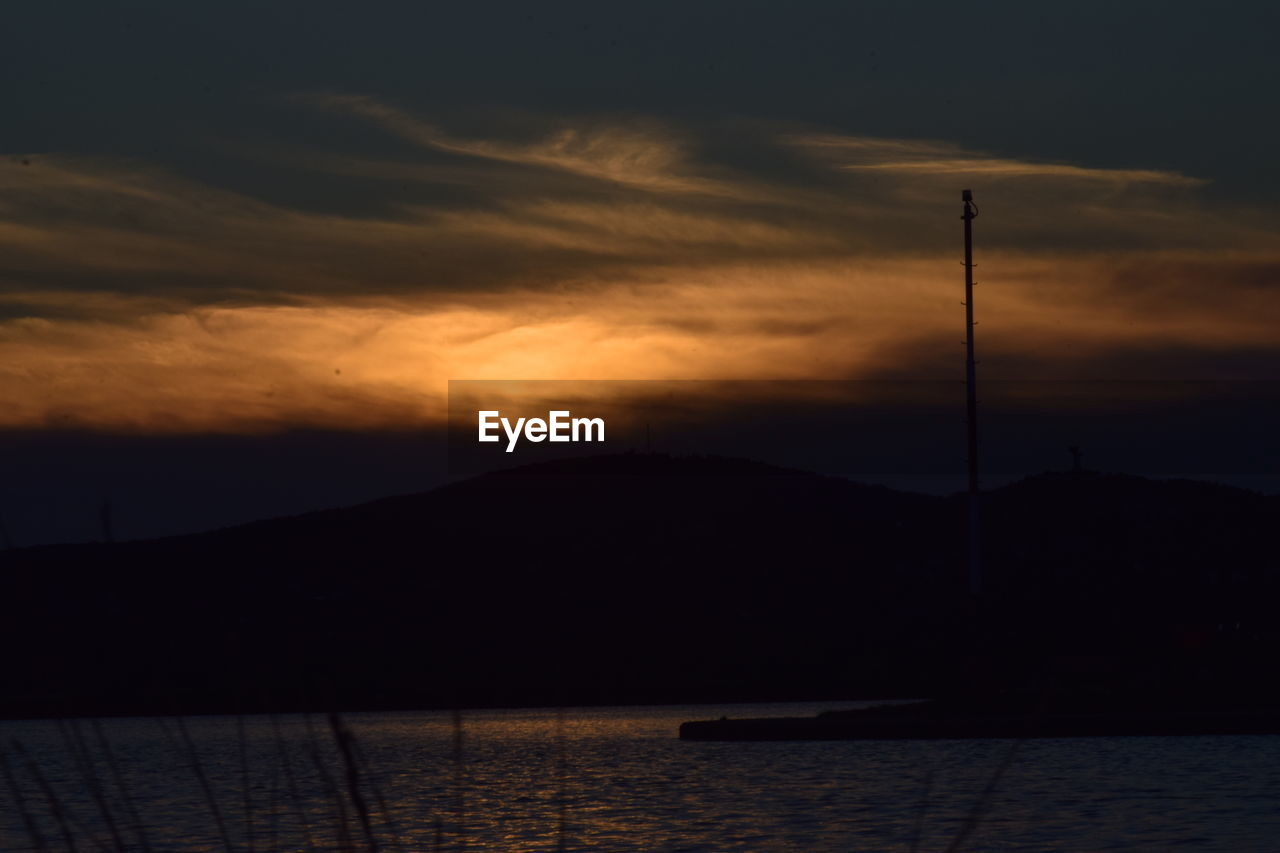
971	395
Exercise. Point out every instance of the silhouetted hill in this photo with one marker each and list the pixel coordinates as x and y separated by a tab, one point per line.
643	577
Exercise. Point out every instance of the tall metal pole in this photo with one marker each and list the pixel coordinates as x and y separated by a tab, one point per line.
971	395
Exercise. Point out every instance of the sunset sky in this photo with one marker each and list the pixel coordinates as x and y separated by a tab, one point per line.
223	224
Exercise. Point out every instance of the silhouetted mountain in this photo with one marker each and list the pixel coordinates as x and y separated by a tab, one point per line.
643	577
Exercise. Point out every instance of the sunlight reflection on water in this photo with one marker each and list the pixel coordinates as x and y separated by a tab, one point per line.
623	782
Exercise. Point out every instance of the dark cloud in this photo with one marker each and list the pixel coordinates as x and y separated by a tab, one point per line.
1143	84
1006	358
563	201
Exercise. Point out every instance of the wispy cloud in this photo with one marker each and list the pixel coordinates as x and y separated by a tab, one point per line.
642	155
142	300
916	157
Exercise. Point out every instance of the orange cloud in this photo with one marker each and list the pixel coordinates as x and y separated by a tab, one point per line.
138	300
356	366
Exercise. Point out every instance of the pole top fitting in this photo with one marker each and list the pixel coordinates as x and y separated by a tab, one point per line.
966	195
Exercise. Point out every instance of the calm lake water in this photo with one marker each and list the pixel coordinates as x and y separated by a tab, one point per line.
616	780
